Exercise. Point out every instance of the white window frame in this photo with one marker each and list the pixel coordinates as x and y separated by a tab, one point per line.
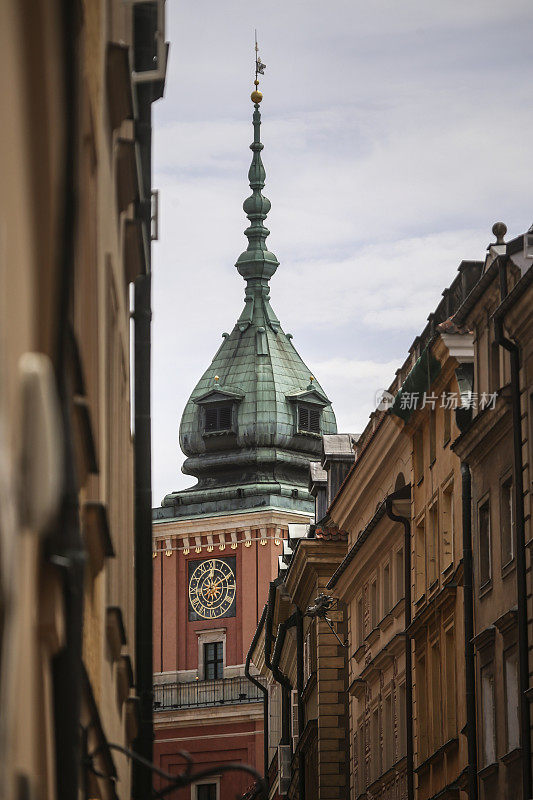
212	779
207	637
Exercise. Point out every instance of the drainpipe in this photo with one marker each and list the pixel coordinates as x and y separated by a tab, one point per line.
282	679
300	688
521	581
262	688
403	494
468	601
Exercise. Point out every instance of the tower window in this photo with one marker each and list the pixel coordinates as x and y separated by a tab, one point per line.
218	418
213	660
309	419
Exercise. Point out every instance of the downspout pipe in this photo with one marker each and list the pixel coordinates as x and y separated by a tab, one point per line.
404	494
262	688
282	679
300	688
523	645
468	601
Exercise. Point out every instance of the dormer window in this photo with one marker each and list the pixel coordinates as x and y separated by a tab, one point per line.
309	419
218	418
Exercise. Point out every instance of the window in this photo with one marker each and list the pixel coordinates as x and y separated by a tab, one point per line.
432	436
218	418
309	652
386	589
376	751
374	603
433	543
447	421
420	557
510	665
360	622
436	695
206	791
494	367
418	443
308	419
388	733
506	521
451	716
487	703
361	757
447	527
421	708
274	718
484	543
213	660
400	577
402	721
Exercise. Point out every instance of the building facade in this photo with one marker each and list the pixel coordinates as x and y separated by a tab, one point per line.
74	237
490	464
249	430
435	586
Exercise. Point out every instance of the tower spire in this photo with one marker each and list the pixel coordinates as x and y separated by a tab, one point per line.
257	264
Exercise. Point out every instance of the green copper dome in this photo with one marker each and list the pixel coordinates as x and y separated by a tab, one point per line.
255	419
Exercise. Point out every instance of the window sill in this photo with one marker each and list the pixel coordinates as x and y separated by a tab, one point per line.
488	771
359	653
485	589
446	571
508	568
433	586
512	756
213	434
437	754
432	462
446	442
398	608
373	636
420	480
387	621
312	434
420	600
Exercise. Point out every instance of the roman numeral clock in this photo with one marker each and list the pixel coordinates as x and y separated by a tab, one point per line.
212	588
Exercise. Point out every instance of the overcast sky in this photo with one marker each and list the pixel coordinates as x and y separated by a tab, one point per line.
395	133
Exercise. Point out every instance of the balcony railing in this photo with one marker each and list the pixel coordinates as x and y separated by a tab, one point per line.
201	694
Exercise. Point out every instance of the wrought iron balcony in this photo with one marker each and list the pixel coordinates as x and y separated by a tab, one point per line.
201	694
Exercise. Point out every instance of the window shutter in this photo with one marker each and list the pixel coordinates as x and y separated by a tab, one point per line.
294	719
314	420
303	418
211	419
225	418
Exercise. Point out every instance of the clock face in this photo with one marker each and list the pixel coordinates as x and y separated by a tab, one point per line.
212	588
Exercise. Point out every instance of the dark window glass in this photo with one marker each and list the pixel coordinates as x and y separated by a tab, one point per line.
213	660
484	543
206	791
506	521
309	419
218	418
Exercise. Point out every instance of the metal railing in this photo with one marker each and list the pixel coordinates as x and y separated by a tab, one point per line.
201	694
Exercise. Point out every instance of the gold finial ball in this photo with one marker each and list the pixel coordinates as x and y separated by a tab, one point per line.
256	82
256	96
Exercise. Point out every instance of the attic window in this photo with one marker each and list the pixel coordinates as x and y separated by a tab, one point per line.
308	419
218	418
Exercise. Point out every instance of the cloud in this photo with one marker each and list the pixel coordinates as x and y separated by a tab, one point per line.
395	135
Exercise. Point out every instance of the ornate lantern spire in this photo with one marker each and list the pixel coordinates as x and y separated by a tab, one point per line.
257	264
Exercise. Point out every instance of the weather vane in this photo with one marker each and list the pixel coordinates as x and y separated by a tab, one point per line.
259	70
